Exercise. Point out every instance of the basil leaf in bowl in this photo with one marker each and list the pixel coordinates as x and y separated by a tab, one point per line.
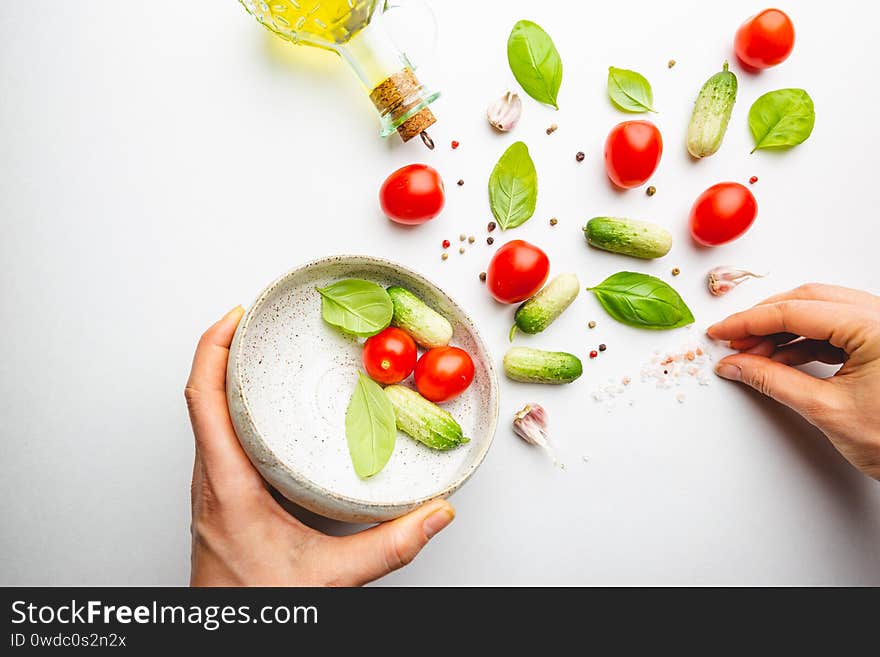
355	306
370	427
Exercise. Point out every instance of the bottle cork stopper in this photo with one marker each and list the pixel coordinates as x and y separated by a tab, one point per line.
416	124
396	96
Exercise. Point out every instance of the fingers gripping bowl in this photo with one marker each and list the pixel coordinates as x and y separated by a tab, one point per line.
288	383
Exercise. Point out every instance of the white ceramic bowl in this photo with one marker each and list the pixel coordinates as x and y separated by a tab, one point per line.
290	377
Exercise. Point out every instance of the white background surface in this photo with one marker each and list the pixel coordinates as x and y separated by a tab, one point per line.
162	161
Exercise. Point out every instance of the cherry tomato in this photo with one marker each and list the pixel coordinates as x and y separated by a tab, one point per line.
517	270
632	153
722	213
412	195
765	40
390	356
444	373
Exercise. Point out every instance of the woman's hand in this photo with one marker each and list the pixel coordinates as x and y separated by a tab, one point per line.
241	536
822	323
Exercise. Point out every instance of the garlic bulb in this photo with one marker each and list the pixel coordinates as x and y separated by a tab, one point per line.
504	113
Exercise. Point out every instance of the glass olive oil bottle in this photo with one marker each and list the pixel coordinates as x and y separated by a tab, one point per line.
352	29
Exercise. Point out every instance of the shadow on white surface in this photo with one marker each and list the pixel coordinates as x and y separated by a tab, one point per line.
313	520
847	488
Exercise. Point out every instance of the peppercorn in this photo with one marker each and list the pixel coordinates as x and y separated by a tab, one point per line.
753	180
454	144
460	182
676	271
594	353
602	347
592	324
580	156
483	276
490	240
446	244
461	250
491	226
444	255
670	63
462	237
651	190
553	128
553	221
471	239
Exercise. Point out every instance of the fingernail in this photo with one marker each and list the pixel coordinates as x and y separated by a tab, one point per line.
438	520
728	371
710	329
237	311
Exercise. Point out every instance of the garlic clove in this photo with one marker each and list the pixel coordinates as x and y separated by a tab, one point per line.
504	113
723	279
530	424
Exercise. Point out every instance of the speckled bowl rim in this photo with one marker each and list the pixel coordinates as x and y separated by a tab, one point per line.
302	480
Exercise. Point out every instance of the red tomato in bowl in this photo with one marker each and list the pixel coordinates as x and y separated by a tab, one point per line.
412	195
632	153
444	373
722	213
764	40
389	356
517	270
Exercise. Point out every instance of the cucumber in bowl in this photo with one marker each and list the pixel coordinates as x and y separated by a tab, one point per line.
424	420
424	324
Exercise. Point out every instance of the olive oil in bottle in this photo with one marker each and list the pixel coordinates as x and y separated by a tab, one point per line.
353	29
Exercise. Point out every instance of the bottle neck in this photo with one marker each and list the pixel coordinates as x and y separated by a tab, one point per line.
387	75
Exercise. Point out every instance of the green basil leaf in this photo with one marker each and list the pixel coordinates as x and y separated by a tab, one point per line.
370	427
513	187
642	301
781	118
535	62
359	307
629	90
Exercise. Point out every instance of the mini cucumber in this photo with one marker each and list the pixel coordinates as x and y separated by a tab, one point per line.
536	366
424	420
711	114
541	310
639	239
424	324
